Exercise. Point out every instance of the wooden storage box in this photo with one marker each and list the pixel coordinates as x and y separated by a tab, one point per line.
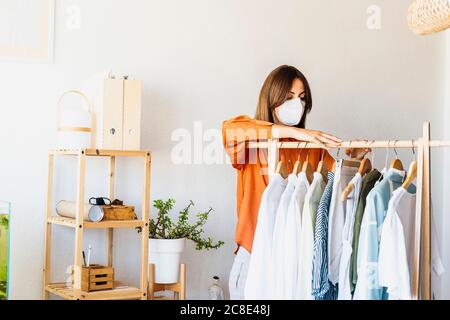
118	213
97	277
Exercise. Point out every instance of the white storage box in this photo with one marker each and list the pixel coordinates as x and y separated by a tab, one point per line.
117	106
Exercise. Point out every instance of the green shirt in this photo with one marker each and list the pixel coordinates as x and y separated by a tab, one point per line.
368	183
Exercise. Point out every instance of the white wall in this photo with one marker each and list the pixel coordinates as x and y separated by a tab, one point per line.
205	60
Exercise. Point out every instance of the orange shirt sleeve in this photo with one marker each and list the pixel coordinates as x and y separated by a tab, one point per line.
236	132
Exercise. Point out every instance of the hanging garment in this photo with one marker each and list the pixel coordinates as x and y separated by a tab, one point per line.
256	284
279	247
368	182
336	219
396	255
238	274
368	287
292	236
397	245
322	289
312	199
347	237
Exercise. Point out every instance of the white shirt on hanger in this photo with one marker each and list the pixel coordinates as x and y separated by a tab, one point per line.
397	245
292	237
312	199
279	247
344	292
336	219
256	286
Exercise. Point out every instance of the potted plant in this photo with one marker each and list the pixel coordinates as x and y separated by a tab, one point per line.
167	239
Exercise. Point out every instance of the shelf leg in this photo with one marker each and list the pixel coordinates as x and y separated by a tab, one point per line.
79	221
111	187
48	229
151	282
145	231
182	293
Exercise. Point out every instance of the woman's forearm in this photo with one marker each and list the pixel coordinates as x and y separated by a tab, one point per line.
280	131
315	136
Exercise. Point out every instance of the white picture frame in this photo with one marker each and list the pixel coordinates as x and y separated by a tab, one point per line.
27	30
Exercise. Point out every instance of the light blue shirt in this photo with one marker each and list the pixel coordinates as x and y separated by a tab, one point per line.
367	287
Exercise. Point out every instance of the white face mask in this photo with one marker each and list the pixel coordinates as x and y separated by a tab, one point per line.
290	112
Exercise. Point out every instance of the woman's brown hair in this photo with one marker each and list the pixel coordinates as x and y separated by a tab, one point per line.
275	91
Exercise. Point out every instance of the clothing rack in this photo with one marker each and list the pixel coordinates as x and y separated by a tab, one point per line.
421	280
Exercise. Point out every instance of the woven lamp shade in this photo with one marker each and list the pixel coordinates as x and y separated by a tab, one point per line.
429	16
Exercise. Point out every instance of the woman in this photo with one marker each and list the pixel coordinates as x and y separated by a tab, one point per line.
284	102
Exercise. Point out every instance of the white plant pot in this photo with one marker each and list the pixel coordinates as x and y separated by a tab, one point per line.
165	254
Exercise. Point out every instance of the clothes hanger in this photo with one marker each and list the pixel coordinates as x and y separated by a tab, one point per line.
322	167
307	169
298	163
385	163
412	171
351	163
412	174
396	163
281	169
364	167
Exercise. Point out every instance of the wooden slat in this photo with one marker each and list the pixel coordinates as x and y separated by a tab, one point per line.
96	278
62	221
78	263
182	292
151	282
107	224
415	276
344	144
145	231
272	157
426	213
48	227
102	152
114	224
111	191
62	290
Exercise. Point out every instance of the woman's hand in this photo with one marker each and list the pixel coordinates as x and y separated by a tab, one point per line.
319	137
357	153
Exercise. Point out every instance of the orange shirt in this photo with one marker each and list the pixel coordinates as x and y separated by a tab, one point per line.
251	165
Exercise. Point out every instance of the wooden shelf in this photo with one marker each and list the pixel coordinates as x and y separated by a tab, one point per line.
117	293
101	152
61	289
71	223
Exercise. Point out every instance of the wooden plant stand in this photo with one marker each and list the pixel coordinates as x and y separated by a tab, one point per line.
118	291
179	288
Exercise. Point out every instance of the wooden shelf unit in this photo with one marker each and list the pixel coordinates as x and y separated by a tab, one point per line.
78	224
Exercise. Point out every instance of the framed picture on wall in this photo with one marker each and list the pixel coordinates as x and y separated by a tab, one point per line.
27	30
4	249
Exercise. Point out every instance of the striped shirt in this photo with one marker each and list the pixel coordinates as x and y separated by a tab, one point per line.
322	289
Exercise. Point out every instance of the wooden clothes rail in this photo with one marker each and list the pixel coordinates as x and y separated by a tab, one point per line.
421	280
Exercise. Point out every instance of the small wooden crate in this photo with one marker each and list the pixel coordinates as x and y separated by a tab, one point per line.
112	212
97	277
